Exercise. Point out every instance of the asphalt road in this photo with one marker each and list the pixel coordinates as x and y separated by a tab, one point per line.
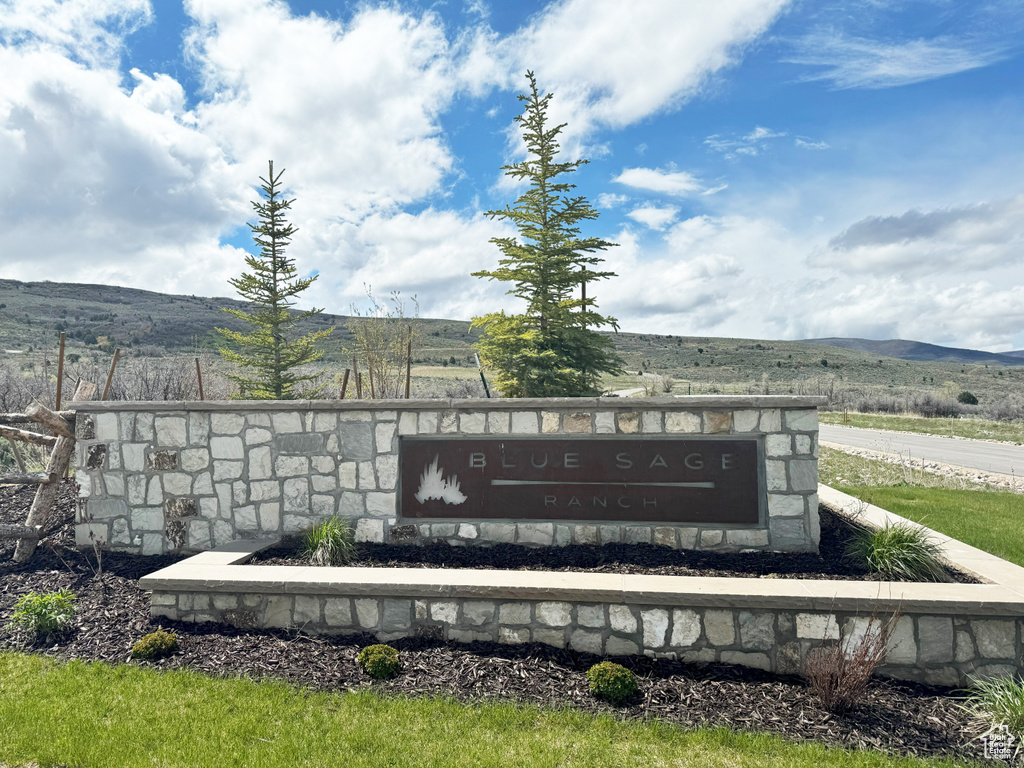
976	454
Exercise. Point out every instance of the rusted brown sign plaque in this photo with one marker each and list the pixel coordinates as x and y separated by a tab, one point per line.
693	480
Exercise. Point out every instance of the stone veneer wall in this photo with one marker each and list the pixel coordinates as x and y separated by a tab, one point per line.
930	648
188	476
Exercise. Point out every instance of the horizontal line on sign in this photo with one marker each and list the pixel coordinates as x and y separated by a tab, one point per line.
573	482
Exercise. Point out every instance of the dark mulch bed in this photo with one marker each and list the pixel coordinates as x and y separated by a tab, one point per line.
645	559
113	613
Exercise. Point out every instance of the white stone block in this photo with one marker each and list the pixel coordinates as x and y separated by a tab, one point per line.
245	518
802	420
775	475
816	626
621	619
292	466
177	483
384	436
257	436
554	614
105	425
604	423
270	516
472	423
719	627
685	627
446	612
408	422
195	459
286	422
133	457
227	470
468	531
650	422
428	423
537	533
367	613
367	477
370	530
656	623
785	505
778	444
296	494
347	474
745	420
682	422
771	420
170	431
226	423
449	422
525	423
381	504
498	422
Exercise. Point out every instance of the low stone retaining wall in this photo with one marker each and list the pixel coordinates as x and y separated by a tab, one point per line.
946	632
187	476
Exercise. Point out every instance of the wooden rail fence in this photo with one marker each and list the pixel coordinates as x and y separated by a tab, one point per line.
61	443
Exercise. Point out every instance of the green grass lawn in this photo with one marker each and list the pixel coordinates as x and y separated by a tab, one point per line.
990	521
90	714
981	429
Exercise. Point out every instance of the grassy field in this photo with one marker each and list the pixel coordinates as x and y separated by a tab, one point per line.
96	715
986	517
979	429
989	521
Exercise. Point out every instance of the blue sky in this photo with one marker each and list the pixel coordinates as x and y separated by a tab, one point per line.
770	168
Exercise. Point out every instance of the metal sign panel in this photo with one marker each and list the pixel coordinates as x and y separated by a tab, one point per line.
696	480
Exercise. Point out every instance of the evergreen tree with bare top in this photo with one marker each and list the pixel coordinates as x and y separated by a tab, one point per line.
552	349
266	355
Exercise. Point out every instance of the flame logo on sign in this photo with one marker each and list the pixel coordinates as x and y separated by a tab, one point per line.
434	485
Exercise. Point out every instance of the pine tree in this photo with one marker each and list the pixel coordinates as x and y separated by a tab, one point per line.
551	350
266	355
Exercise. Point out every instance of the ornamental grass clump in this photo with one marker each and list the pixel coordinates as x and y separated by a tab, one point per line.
155	645
330	543
898	552
379	661
46	615
999	702
612	681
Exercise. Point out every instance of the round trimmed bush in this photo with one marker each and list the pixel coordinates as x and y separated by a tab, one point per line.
612	681
155	645
379	661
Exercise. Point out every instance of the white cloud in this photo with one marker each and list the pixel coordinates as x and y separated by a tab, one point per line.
350	109
606	60
608	200
856	62
808	144
653	216
678	183
90	31
750	144
954	240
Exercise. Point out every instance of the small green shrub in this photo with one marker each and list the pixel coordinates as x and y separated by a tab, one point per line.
379	661
999	701
45	615
330	543
898	552
967	398
612	681
155	645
